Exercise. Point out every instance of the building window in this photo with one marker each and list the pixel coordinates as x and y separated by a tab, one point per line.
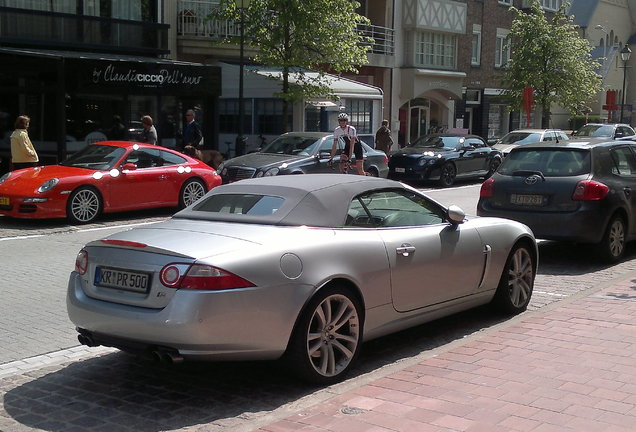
505	2
475	59
551	5
502	49
360	113
229	116
435	50
269	116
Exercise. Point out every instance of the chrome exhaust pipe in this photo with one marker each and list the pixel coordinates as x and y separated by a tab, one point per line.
171	357
86	340
166	357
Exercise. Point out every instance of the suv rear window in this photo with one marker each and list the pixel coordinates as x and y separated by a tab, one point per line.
549	162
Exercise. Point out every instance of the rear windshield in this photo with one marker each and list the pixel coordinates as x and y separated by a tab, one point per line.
520	138
549	162
595	131
248	204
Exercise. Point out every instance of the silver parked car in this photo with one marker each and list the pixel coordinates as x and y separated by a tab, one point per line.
527	136
300	267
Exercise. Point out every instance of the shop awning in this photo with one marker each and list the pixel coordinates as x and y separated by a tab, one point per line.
86	71
260	82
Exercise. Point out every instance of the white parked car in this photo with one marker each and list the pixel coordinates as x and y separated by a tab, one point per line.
526	136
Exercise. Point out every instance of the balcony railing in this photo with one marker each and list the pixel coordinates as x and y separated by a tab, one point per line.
193	22
68	31
383	39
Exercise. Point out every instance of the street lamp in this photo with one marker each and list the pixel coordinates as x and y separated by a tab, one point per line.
240	139
605	43
625	54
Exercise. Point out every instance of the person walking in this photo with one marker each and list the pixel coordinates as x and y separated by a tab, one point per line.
352	145
192	134
117	131
23	154
149	134
383	139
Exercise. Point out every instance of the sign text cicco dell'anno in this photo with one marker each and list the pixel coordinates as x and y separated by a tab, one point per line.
147	79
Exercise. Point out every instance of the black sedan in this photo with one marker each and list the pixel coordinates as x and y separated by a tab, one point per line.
298	153
577	191
444	158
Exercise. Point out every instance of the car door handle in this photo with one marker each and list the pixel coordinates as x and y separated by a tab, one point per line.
405	249
163	177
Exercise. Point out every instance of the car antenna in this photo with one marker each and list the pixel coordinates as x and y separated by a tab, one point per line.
556	135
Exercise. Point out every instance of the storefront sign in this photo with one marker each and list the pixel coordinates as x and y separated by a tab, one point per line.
147	77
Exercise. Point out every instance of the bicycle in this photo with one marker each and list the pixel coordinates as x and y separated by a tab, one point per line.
345	167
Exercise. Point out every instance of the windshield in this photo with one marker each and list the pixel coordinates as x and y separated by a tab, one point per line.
292	145
95	157
449	142
596	131
520	138
549	162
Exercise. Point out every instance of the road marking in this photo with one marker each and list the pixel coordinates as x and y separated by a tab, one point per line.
74	229
75	353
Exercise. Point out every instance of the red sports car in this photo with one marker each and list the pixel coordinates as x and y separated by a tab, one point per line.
108	176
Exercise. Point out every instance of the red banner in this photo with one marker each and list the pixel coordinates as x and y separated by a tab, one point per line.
528	100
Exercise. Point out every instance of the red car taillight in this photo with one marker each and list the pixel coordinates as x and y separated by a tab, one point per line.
386	159
589	190
487	188
200	277
81	262
124	243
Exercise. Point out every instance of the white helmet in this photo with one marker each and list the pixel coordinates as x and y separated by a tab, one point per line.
343	116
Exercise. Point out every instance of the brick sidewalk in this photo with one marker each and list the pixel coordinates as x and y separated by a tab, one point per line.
567	368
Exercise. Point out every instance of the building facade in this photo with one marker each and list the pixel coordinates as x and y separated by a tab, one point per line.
74	66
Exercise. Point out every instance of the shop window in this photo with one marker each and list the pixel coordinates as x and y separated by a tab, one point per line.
269	116
360	115
229	116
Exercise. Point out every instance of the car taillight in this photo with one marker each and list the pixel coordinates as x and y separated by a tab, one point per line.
81	262
487	188
200	277
124	243
386	159
589	190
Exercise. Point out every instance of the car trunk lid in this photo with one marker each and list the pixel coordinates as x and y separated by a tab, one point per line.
125	267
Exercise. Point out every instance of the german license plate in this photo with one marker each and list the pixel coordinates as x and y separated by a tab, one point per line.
400	170
121	279
529	200
5	201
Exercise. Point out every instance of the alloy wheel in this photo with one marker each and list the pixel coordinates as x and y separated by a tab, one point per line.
520	278
333	335
192	191
85	205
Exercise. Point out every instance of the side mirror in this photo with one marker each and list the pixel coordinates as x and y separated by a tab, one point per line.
129	166
456	215
619	134
323	154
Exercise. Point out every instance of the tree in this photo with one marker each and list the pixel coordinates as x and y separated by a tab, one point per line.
553	59
300	35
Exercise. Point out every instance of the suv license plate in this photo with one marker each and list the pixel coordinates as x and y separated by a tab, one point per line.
120	279
400	170
529	200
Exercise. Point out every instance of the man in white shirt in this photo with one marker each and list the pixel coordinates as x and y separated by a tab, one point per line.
352	145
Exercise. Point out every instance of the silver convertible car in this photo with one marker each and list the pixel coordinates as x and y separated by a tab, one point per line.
300	267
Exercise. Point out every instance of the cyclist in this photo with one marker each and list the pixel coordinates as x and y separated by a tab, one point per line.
352	145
